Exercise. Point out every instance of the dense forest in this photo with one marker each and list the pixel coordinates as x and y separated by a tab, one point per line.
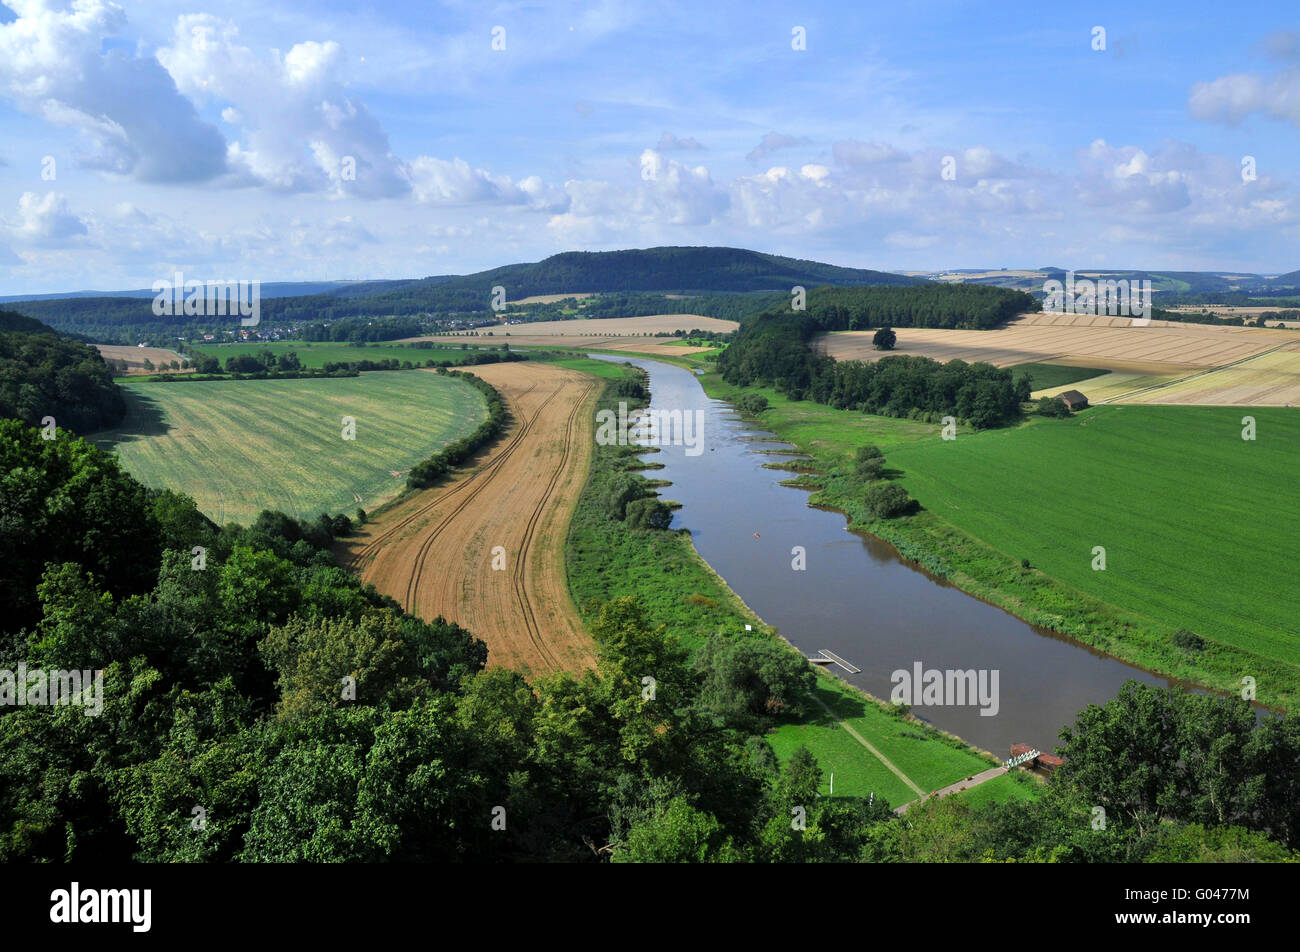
776	349
260	704
45	375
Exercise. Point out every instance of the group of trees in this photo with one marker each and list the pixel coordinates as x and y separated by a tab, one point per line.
260	704
775	350
883	499
43	374
429	471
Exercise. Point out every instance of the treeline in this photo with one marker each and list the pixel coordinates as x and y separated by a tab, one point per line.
45	375
776	350
429	471
960	306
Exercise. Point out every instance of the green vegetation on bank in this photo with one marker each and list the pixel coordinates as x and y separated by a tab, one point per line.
239	447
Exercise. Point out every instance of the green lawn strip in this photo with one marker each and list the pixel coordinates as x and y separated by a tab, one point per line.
929	757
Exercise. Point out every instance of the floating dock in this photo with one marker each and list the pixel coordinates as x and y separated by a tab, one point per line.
833	657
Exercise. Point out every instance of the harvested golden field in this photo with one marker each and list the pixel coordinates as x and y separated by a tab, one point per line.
136	356
1113	386
550	298
1269	380
1095	339
610	333
436	551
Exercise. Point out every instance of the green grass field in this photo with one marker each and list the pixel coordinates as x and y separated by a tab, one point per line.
1197	523
931	760
239	447
1049	376
316	354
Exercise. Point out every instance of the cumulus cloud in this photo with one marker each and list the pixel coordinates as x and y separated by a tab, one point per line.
300	130
46	220
54	64
670	143
1230	99
771	143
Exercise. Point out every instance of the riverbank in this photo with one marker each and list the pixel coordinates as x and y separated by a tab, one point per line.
680	590
947	552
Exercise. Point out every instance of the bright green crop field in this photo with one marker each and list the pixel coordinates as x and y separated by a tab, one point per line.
1199	525
239	447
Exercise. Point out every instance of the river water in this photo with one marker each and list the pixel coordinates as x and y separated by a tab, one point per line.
857	597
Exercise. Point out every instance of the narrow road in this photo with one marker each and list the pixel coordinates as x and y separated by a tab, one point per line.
958	787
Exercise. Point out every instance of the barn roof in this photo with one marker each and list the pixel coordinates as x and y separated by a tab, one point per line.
1073	396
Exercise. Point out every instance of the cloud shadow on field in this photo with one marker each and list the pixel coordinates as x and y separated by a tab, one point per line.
144	419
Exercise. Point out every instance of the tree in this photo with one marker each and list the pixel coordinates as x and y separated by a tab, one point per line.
754	403
884	339
869	462
1053	407
888	500
648	513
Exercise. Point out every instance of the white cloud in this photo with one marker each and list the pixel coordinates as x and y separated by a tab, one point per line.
54	64
300	130
46	220
1230	99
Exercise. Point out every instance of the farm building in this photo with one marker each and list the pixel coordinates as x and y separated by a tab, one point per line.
1074	399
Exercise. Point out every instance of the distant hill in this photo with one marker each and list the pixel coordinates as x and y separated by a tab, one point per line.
273	289
671	268
10	321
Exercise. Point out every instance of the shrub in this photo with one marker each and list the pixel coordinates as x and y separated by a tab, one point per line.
888	500
1052	407
648	513
1188	640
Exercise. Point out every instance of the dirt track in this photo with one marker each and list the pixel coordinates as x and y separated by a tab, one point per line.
433	552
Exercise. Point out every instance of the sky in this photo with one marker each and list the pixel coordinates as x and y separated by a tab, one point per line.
275	141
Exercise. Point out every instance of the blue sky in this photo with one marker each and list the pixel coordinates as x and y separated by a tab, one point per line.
219	138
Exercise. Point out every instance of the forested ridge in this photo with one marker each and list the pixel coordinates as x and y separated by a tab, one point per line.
43	374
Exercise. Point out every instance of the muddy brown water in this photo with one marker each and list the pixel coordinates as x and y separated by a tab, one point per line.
857	597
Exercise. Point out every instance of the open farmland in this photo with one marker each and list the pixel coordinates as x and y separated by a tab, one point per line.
617	334
136	356
1195	533
1039	337
239	447
434	550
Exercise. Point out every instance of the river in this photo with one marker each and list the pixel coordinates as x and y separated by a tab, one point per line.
857	597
